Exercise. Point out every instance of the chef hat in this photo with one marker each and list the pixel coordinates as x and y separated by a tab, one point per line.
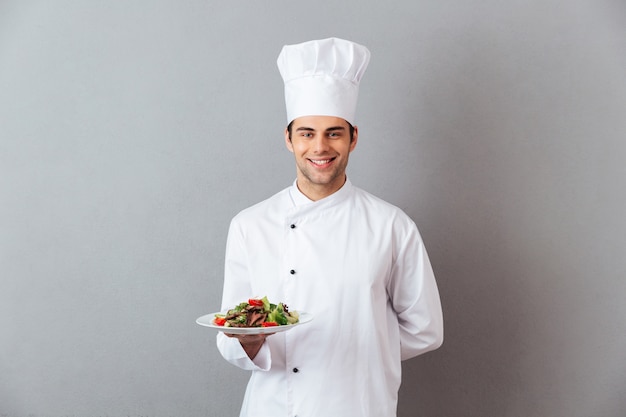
322	77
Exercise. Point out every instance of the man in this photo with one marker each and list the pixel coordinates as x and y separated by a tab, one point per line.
325	247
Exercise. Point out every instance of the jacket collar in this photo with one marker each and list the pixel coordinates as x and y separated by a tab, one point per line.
300	199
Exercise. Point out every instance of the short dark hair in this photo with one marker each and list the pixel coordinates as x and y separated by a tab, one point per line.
350	127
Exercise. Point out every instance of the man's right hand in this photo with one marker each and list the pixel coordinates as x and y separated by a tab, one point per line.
251	343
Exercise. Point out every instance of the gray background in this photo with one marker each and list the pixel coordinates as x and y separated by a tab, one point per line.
132	131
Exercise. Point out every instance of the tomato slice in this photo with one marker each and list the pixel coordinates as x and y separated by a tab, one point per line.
255	302
219	321
269	324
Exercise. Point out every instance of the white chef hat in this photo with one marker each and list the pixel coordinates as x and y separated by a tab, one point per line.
322	77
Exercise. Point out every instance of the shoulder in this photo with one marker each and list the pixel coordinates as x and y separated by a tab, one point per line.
263	209
383	216
370	202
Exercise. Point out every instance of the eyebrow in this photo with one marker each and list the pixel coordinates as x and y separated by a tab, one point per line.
310	129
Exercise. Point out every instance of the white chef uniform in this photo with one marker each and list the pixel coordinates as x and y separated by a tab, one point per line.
359	265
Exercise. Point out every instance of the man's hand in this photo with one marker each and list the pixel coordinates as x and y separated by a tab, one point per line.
251	343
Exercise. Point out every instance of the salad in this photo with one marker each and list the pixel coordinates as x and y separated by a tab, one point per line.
257	312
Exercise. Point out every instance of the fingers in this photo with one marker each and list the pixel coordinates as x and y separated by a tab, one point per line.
249	338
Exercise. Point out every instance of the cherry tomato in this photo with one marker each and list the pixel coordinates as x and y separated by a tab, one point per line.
219	321
269	324
256	303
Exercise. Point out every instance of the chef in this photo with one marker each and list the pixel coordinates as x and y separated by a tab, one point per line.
323	246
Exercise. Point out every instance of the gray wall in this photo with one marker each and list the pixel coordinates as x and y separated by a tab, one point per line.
131	132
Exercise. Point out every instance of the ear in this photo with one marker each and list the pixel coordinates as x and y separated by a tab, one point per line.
288	141
355	139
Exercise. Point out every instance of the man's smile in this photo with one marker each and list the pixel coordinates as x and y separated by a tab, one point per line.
321	162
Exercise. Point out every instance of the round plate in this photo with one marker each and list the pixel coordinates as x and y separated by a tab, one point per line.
207	321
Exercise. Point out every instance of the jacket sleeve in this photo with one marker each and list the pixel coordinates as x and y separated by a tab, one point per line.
231	350
414	294
237	288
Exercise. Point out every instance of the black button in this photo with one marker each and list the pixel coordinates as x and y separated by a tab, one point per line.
295	370
293	226
293	271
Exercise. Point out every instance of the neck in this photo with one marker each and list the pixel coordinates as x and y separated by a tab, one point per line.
317	192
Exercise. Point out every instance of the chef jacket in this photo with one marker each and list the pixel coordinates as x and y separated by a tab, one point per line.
359	266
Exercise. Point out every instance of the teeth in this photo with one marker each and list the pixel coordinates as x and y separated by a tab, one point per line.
322	162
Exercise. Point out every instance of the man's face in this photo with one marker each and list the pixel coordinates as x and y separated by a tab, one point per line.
321	146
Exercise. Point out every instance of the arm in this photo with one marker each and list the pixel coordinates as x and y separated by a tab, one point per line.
245	351
414	295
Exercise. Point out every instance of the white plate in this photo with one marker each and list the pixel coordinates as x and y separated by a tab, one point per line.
207	321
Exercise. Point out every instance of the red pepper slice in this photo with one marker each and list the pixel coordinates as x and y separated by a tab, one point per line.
256	303
219	321
269	324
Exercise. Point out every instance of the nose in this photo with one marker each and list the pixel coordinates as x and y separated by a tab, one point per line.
321	144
